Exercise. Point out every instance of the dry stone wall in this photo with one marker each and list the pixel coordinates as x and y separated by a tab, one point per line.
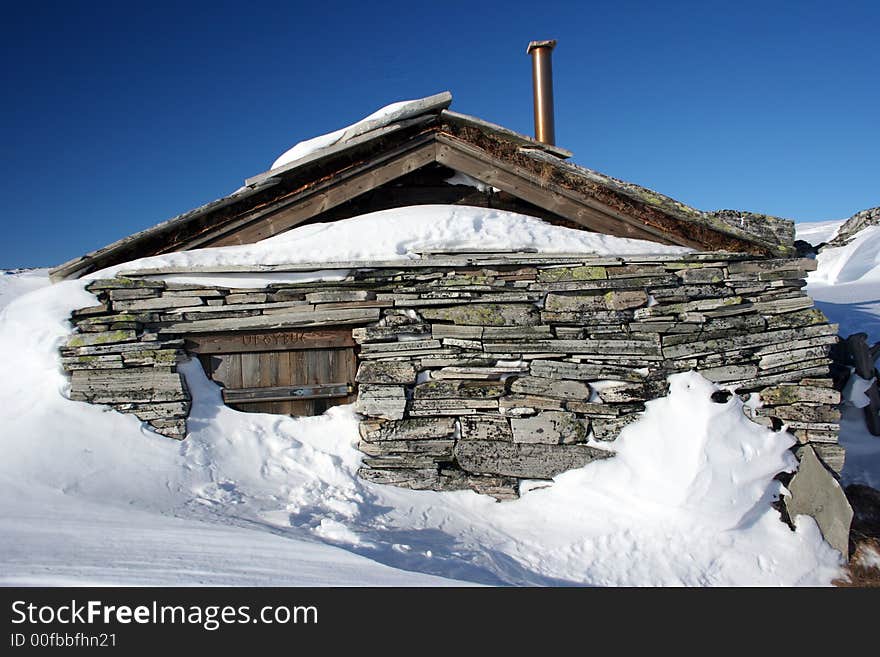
478	371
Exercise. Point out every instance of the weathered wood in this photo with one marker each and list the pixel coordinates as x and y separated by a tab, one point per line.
518	181
285	393
410	114
505	133
251	341
336	191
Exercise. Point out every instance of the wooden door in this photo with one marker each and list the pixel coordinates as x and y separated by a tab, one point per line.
285	372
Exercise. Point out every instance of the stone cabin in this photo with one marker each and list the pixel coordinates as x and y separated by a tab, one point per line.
471	370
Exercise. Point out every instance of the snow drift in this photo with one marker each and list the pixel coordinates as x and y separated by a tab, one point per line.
400	234
382	116
91	496
846	287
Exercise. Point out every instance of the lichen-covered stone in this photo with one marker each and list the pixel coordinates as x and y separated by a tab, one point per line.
488	314
551	428
525	461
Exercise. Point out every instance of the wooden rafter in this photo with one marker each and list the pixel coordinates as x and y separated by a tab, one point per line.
515	180
299	207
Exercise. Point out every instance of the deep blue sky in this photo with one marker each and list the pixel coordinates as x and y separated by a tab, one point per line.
116	116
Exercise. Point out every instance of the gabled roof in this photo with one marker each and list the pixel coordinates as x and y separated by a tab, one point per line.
418	134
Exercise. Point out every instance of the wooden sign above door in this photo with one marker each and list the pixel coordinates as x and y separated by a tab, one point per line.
253	341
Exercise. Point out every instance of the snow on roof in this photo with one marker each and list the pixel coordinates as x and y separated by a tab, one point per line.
398	111
403	233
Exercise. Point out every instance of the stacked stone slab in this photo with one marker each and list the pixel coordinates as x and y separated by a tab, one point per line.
117	358
479	371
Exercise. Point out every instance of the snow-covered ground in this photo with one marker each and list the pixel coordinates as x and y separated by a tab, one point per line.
15	283
88	495
846	286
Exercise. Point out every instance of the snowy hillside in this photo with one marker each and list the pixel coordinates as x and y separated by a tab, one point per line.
846	286
90	496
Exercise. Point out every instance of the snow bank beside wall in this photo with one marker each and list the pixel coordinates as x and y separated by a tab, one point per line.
480	372
93	497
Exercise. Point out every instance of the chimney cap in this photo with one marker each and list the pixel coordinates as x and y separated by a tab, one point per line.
549	43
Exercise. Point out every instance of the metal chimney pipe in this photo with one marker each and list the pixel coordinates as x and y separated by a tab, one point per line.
542	83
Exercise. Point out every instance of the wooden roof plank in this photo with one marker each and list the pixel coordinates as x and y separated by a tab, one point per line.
73	268
644	196
337	191
217	235
505	133
337	148
477	163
